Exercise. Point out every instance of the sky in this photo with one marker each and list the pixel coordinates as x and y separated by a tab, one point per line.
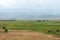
32	8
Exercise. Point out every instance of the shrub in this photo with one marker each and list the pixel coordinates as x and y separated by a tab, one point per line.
6	30
43	20
3	27
49	31
57	30
39	20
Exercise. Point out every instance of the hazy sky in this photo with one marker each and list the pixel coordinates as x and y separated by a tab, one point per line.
13	8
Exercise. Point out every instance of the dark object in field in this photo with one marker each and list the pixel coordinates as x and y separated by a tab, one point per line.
43	20
6	30
39	20
58	30
3	27
49	31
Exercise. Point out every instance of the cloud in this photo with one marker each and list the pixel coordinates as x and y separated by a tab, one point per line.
19	3
30	4
12	8
7	3
27	3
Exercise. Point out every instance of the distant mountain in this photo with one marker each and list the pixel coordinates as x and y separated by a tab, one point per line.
43	16
28	16
49	16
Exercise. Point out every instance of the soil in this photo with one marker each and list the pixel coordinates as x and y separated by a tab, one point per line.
25	35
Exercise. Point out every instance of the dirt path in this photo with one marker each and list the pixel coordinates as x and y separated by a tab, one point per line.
25	35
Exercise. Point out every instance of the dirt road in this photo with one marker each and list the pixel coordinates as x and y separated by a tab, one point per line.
25	35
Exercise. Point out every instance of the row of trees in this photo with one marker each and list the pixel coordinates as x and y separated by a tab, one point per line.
42	20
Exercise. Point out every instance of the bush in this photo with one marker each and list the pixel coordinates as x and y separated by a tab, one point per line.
6	30
39	20
3	27
57	30
49	31
43	20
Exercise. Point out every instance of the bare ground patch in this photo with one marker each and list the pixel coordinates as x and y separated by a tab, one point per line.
25	35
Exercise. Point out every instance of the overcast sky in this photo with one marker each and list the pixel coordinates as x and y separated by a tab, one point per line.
12	8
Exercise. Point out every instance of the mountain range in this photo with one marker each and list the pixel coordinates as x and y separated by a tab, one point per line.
34	16
28	16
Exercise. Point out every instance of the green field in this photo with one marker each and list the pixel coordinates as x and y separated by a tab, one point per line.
50	25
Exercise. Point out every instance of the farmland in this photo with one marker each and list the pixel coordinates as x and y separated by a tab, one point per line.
50	27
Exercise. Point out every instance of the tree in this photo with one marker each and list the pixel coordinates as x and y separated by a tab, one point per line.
43	20
39	20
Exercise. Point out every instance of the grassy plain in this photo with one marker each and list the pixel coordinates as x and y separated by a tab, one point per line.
33	25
